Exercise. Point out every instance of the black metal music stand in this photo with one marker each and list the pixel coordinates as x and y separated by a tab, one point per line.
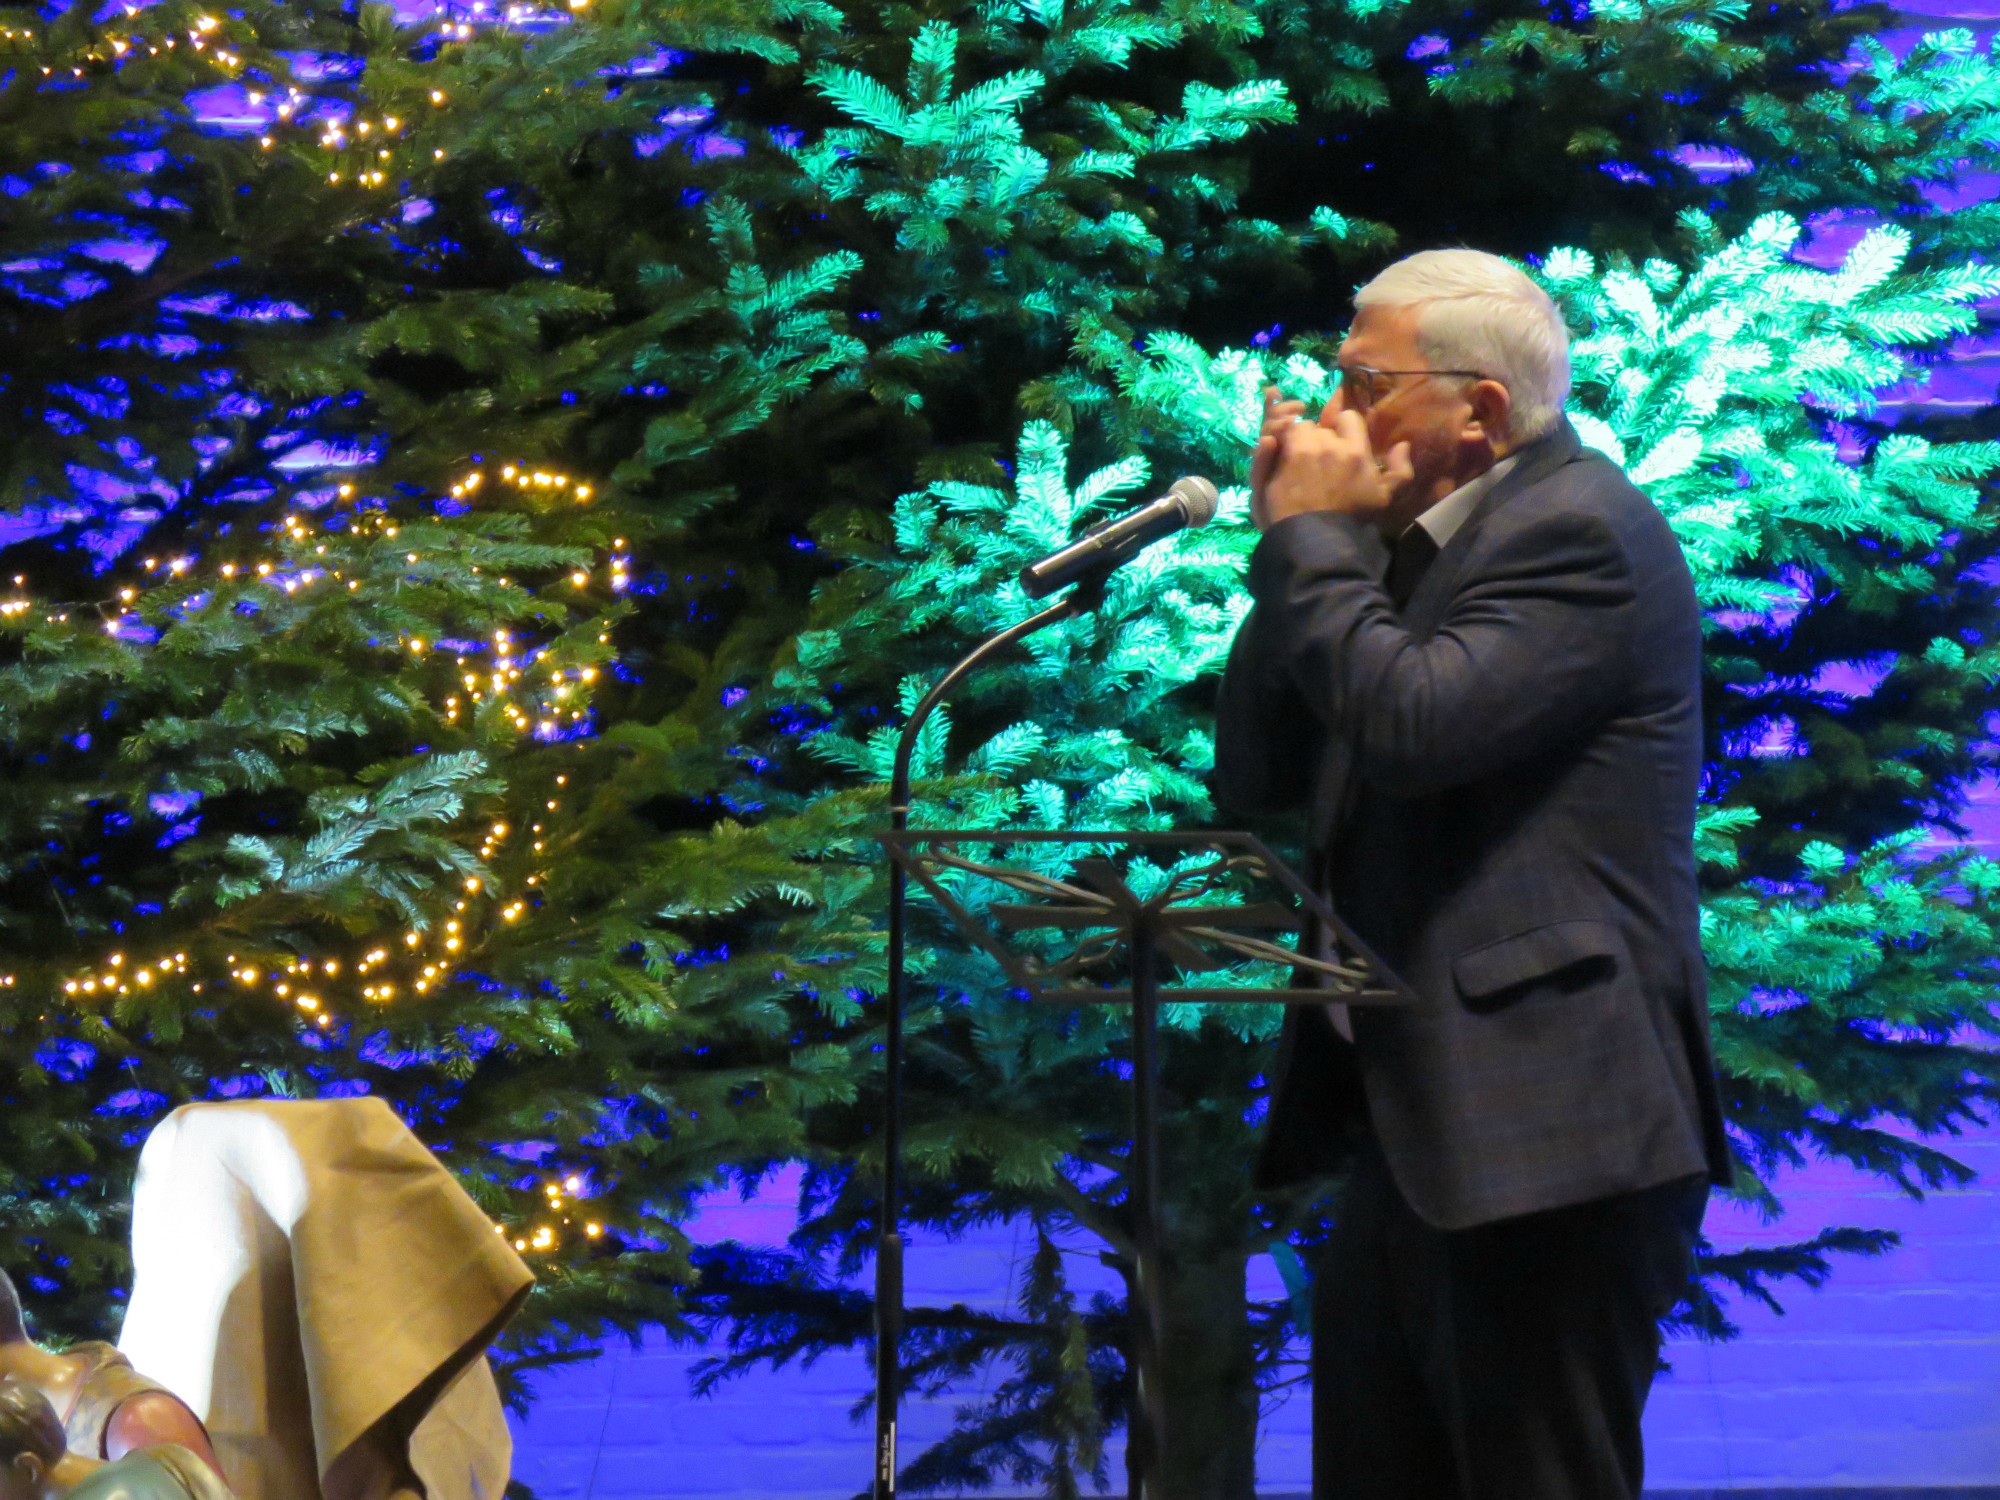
1206	904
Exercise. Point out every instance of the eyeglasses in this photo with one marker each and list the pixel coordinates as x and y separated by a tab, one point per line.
1365	385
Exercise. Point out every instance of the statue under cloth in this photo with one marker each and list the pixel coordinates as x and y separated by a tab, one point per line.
313	1288
322	1292
106	1407
36	1462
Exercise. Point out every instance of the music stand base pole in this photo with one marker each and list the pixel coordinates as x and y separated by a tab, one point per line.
1148	1432
889	1240
888	1335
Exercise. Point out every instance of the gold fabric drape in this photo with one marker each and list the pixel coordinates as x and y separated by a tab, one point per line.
314	1283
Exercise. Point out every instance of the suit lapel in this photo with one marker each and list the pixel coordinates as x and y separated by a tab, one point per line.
1538	460
1333	807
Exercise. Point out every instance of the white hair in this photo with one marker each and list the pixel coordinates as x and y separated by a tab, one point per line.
1478	312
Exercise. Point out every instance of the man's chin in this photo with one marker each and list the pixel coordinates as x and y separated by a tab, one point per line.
1405	505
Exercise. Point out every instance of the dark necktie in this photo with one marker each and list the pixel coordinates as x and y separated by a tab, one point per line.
1412	554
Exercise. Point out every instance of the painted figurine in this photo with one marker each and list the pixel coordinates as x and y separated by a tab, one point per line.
106	1408
36	1462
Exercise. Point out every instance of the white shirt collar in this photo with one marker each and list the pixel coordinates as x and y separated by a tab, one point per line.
1443	519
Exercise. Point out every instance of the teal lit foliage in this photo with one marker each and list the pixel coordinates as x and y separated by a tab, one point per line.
1850	955
749	272
1849	937
1018	1111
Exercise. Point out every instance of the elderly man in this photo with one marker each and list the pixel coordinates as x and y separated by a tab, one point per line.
1473	663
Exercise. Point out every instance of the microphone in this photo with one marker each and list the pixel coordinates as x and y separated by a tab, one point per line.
1191	502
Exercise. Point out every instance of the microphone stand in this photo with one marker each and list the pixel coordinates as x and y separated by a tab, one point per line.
1085	597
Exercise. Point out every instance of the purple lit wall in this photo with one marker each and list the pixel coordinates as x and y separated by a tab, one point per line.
1887	1378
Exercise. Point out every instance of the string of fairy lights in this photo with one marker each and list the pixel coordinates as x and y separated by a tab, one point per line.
523	687
547	1236
365	147
112	47
292	117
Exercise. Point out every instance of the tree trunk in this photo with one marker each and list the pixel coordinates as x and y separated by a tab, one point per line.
1210	1384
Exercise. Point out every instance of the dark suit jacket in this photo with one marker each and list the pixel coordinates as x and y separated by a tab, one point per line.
1501	788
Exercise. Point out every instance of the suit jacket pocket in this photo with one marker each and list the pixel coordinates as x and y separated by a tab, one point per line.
1556	955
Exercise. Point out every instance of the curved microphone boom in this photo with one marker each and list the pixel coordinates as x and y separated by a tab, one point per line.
1191	502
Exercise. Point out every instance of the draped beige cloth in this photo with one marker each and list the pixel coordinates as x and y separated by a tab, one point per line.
314	1283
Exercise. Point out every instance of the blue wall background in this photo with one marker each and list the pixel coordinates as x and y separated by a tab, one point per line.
1889	1376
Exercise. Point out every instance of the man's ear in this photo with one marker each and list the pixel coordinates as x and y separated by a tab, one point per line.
30	1470
1492	409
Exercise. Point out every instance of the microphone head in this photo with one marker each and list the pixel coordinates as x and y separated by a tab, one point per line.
1198	498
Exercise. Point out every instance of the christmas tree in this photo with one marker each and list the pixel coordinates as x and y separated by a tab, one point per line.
1835	1031
1740	386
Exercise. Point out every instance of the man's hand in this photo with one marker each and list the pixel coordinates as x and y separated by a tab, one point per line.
1279	418
1330	466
